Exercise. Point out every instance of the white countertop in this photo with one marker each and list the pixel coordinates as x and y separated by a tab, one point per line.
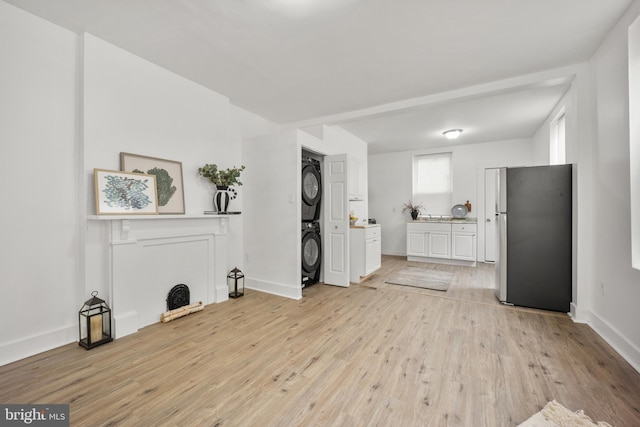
466	220
364	226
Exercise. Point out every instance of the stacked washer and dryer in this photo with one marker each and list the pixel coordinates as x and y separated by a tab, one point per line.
311	237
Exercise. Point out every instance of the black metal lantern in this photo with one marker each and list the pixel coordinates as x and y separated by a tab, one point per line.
95	322
235	281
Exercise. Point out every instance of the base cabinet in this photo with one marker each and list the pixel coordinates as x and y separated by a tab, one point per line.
416	242
463	242
429	240
373	256
439	242
366	252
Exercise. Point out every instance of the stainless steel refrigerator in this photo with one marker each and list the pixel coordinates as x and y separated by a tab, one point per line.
533	218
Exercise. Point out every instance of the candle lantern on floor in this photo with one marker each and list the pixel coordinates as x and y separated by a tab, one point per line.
235	281
95	322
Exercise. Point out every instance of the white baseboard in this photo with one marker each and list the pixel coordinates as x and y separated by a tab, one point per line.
23	348
279	289
447	261
125	324
573	312
222	293
394	253
620	344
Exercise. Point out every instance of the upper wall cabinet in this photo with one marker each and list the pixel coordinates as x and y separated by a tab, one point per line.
356	179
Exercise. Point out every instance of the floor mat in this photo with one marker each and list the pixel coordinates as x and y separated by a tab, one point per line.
420	277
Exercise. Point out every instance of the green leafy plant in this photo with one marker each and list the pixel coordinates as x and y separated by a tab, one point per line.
221	177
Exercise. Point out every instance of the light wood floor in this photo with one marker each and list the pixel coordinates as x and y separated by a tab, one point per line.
372	354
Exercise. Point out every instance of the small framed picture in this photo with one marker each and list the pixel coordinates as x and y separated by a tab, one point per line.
123	193
168	175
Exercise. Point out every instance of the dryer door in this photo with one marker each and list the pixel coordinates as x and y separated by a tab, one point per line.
311	252
311	185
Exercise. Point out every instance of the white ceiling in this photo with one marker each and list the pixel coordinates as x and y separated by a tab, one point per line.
394	72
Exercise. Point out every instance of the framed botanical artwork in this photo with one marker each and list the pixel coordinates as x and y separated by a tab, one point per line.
123	193
168	175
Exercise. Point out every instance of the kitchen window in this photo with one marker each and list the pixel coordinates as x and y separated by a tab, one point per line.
433	183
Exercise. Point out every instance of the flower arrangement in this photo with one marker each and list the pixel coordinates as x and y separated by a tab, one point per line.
220	177
410	207
414	208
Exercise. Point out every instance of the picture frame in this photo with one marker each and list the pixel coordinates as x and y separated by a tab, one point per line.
124	193
169	181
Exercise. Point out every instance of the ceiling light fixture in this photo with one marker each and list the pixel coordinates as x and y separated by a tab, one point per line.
452	133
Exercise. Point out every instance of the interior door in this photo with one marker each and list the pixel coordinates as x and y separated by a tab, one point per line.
490	177
336	221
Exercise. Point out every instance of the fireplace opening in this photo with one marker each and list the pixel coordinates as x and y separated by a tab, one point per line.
178	297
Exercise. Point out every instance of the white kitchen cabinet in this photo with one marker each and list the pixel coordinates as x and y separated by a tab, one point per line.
416	241
373	255
443	242
429	240
438	246
463	241
365	251
356	179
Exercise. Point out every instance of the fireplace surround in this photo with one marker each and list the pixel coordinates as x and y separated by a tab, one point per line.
143	257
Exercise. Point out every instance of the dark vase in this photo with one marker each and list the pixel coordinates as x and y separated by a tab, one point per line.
221	199
414	214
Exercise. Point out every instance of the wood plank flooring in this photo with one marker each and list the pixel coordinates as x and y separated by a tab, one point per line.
373	354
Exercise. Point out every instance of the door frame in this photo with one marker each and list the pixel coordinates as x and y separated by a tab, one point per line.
480	208
487	238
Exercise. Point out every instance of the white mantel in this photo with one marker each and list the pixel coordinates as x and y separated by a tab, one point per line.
145	256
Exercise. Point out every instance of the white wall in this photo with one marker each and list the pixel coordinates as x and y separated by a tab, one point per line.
390	184
273	203
606	288
243	125
71	103
131	105
615	287
272	214
135	106
579	152
39	264
541	139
